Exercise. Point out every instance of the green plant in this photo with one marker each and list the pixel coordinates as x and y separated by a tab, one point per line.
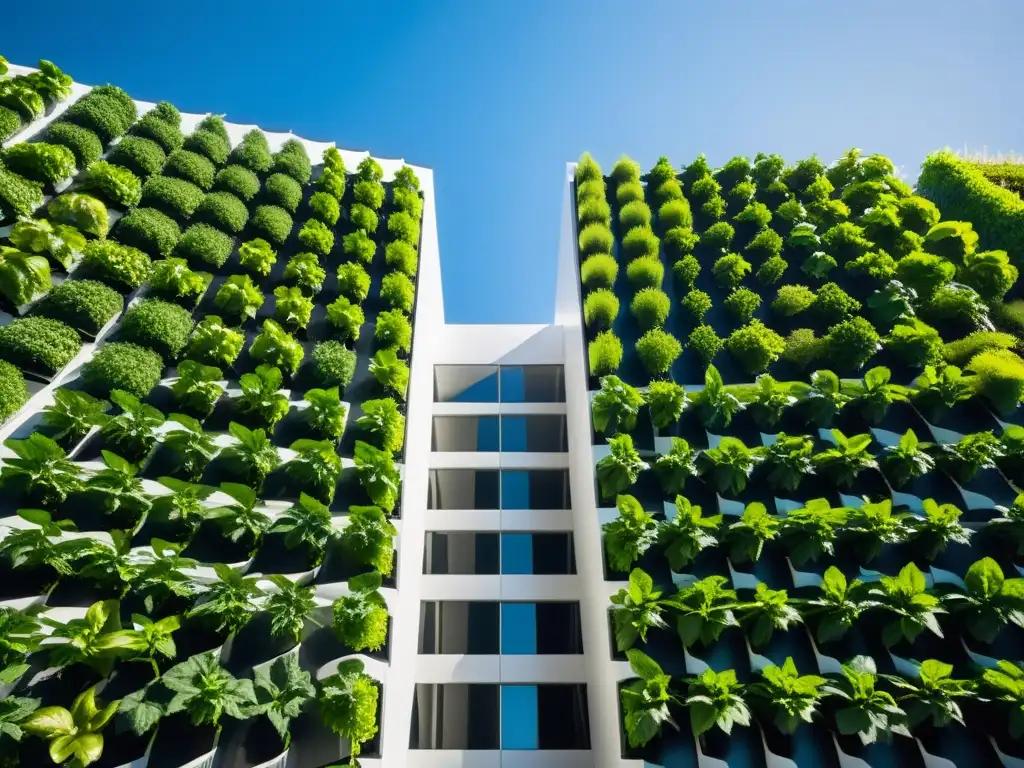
990	601
240	521
307	522
789	460
650	307
139	155
792	697
289	607
125	366
839	606
377	475
697	303
741	304
197	387
159	325
316	468
715	699
75	737
961	351
685	535
148	230
658	350
393	329
292	309
818	265
1000	378
38	236
1006	681
283	191
293	160
939	526
84	212
833	304
645	272
398	291
850	343
360	618
907	599
907	460
811	531
83	143
615	406
13	390
599	271
869	713
21	196
771	271
705	342
277	347
766	244
628	536
390	372
705	609
915	342
334	364
825	398
749	534
271	222
604	353
190	166
620	468
686	270
253	152
666	401
600	309
363	217
39	469
718	405
39	343
239	181
84	304
729	270
326	413
253	455
238	297
934	694
368	538
132	433
634	214
403	257
924	272
315	236
72	414
731	464
348	704
939	388
205	244
848	459
768	610
382	419
224	211
206	691
40	162
676	466
755	346
176	197
120	265
637	609
593	238
718	236
353	282
95	640
325	208
193	447
770	399
646	700
260	396
282	692
792	299
173	279
679	242
970	454
257	256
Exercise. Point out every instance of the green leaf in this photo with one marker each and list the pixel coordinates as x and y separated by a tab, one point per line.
48	722
984	578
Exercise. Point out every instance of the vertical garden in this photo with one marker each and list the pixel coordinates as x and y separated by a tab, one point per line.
204	358
806	385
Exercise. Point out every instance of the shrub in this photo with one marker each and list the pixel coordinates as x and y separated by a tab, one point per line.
605	353
833	303
165	134
210	145
1000	378
272	222
13	391
960	352
325	208
293	160
705	188
680	242
756	214
878	265
141	156
283	191
989	273
594	210
119	101
334	363
792	299
118	185
18	195
332	182
587	169
148	230
39	161
802	347
257	256
705	342
363	217
10	122
629	192
224	211
353	282
772	270
369	193
305	270
598	271
851	343
742	303
84	304
253	152
635	214
697	303
755	346
402	257
924	272
827	214
625	170
160	325
101	114
315	236
915	342
658	350
686	270
917	214
640	241
765	244
792	212
239	181
206	244
742	193
238	297
735	171
83	143
189	166
362	246
119	365
116	264
595	238
729	270
393	329
292	308
846	241
718	235
650	307
958	302
675	214
645	272
818	265
600	309
275	346
175	197
39	344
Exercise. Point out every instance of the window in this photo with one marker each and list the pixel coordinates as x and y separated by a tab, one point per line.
465	383
482	627
465	433
463	489
460	627
490	553
540	628
492	384
535	489
491	716
532	384
534	433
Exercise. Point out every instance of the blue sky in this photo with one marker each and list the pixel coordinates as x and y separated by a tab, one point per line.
496	96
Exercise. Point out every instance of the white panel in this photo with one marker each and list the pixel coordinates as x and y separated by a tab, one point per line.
553	668
457	668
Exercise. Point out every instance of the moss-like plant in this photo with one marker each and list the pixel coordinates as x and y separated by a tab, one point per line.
600	309
224	211
283	191
159	325
83	143
140	155
203	244
605	353
40	162
334	363
599	271
125	366
192	167
84	304
658	350
39	344
755	346
271	222
175	197
239	181
148	230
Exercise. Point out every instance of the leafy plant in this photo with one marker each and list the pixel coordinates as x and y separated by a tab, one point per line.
869	713
749	534
637	609
970	454
40	470
41	546
206	691
254	455
914	341
377	475
676	466
197	388
95	640
383	419
769	610
292	309
792	697
347	317
275	346
22	275
153	639
172	278
848	459
825	397
715	699
238	297
812	530
615	406
685	535
789	460
839	606
193	447
360	618
718	405
390	372
14	711
770	400
317	468
162	574
58	241
75	737
348	704
906	597
731	464
261	396
874	524
646	700
119	487
132	433
705	608
620	468
20	633
368	538
755	346
991	600
289	607
630	535
72	414
1007	682
939	526
282	691
933	696
877	393
942	387
307	522
604	353
227	603
907	460
326	414
657	350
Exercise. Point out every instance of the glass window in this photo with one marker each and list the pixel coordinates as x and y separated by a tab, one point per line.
532	384
519	717
459	627
463	489
534	433
518	628
535	489
460	553
465	433
562	719
455	716
465	383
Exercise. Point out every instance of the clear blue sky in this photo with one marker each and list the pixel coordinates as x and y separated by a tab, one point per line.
496	96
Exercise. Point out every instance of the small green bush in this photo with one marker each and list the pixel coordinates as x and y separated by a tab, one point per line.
407	200
697	303
121	365
152	127
332	183
792	299
600	309
714	208
756	214
239	181
635	214
626	170
393	329
639	242
729	270
166	112
369	193
353	282
325	208
118	185
705	342
257	256
818	265
141	156
224	211
40	162
120	101
605	354
253	152
735	171
772	270
593	211
397	291
593	189
658	350
83	143
315	236
587	169
833	304
846	241
645	272
148	230
306	271
39	344
765	244
283	191
10	122
961	351
210	145
755	346
598	271
675	214
189	166
670	190
402	257
362	246
596	238
1000	378
275	346
84	304
660	173
116	264
363	217
81	211
238	298
19	195
204	244
292	308
718	235
742	303
160	325
705	188
334	364
915	342
346	317
650	307
175	197
13	391
851	343
680	242
101	114
686	270
918	214
742	193
803	348
631	191
293	160
271	222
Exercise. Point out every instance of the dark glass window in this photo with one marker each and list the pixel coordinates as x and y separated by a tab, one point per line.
532	384
535	489
534	433
460	553
544	717
540	628
537	553
455	716
465	433
465	383
463	489
460	627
